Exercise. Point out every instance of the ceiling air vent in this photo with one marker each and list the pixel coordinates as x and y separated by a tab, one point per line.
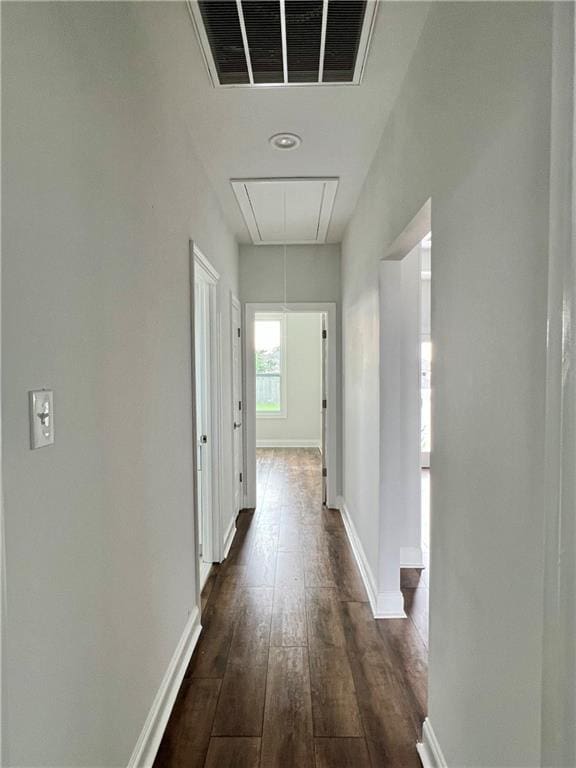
248	43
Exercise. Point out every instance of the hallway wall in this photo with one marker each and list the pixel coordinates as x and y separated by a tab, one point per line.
101	191
312	274
470	129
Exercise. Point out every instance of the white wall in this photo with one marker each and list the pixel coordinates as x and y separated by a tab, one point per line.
303	421
312	274
101	191
559	673
470	129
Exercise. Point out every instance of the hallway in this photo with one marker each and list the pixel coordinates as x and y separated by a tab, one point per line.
175	173
291	668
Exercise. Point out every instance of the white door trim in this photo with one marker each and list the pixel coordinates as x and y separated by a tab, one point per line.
200	264
250	394
235	304
206	265
192	290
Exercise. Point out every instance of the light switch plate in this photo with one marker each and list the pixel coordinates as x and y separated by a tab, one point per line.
41	407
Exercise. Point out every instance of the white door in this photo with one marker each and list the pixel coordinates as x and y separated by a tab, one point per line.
202	344
237	412
324	408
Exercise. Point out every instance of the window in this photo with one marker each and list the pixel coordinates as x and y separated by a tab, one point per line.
269	343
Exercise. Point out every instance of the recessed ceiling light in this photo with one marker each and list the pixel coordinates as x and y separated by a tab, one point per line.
285	141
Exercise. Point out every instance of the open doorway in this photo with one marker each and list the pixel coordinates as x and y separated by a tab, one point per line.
405	424
415	361
291	388
288	348
417	342
289	394
425	394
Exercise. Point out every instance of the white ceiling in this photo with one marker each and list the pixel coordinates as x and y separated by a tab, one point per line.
340	126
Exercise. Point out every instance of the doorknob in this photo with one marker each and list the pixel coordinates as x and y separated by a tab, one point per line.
203	439
237	425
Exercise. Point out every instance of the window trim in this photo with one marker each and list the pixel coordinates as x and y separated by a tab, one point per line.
283	412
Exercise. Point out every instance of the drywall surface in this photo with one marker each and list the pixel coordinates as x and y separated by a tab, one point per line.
303	370
559	665
101	192
312	274
470	129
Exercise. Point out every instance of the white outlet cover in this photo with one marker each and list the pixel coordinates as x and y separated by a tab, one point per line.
41	409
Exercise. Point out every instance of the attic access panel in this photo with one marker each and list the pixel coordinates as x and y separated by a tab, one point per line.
291	211
254	43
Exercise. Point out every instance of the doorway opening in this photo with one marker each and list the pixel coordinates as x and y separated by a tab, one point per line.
290	369
206	413
415	574
425	404
416	361
405	431
290	381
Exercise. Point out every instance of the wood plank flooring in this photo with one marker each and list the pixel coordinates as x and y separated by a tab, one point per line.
291	670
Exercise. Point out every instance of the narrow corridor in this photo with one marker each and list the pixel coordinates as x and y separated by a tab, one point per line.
291	670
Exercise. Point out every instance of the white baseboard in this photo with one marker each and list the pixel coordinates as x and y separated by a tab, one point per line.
385	605
289	443
359	554
429	749
229	537
205	569
153	730
411	557
390	605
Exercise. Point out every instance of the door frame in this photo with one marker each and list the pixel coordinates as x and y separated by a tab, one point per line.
400	512
251	309
198	259
236	304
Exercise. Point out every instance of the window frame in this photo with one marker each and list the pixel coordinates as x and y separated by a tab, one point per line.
281	317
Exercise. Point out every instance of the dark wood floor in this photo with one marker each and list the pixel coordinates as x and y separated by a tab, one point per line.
291	670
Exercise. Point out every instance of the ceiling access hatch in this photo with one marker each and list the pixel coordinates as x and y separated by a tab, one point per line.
255	43
291	211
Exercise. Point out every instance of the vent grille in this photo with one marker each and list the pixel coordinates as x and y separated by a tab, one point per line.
264	36
222	25
284	42
303	39
342	40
